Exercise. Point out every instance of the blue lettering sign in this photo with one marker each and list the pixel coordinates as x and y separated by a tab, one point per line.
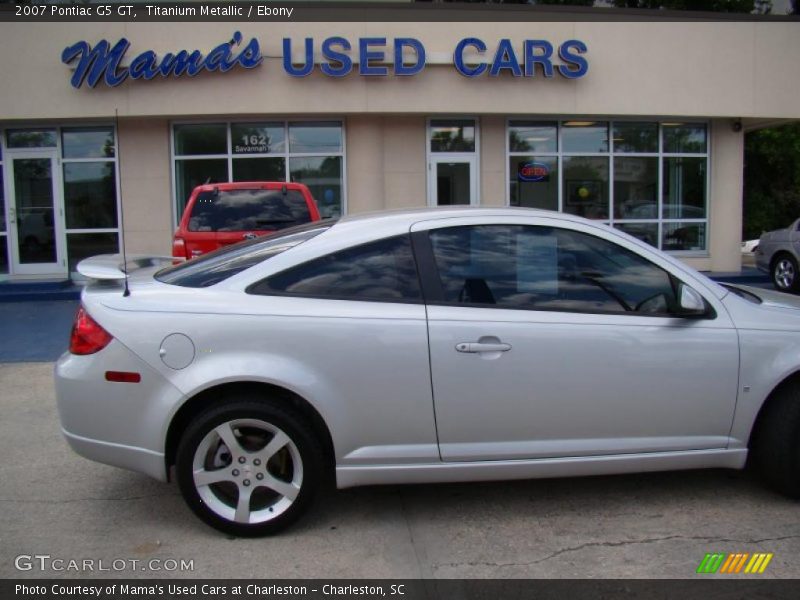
343	64
565	52
505	58
103	61
100	62
308	61
458	57
365	56
400	68
544	59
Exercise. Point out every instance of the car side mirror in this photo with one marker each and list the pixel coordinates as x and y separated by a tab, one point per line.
690	302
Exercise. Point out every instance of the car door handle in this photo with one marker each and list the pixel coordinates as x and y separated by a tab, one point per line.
473	347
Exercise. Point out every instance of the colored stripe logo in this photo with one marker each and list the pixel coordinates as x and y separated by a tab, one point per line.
737	562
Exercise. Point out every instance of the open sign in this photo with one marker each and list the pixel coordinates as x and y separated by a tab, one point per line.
533	171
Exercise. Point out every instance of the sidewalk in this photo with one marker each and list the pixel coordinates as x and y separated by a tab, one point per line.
35	331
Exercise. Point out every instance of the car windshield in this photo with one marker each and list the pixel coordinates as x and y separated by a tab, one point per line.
248	210
221	264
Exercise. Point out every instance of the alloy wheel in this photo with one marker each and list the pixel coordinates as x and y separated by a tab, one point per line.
247	471
784	273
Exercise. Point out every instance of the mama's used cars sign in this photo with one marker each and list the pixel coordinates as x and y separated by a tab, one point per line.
368	56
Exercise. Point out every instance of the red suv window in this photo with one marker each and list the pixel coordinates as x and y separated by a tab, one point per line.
218	215
248	210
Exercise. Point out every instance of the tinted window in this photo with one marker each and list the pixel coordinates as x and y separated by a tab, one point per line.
453	135
248	210
216	266
543	268
382	271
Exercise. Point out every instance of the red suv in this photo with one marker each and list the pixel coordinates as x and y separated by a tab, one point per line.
220	214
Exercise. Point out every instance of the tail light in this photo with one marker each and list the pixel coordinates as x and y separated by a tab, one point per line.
87	335
179	249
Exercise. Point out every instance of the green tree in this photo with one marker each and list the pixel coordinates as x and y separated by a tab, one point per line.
771	179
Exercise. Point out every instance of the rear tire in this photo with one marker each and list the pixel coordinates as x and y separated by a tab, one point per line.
248	468
785	276
776	447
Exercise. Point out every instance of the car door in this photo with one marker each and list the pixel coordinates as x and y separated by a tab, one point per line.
553	341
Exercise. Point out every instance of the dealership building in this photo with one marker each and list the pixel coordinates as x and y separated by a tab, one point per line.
637	123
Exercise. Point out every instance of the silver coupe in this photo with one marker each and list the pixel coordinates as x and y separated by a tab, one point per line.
424	346
777	253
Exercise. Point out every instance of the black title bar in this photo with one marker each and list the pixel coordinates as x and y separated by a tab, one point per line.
268	11
398	589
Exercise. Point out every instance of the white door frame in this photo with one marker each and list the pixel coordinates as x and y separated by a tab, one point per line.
433	158
59	267
446	157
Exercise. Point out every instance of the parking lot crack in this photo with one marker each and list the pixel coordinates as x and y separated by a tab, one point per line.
708	539
404	511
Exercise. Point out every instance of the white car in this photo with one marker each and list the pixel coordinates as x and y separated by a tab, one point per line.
749	246
425	346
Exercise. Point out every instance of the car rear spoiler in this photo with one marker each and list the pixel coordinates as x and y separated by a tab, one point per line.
113	267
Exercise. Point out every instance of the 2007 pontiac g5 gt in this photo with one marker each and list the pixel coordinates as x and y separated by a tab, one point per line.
425	346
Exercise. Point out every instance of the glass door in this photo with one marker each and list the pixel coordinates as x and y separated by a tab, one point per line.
452	161
35	214
452	181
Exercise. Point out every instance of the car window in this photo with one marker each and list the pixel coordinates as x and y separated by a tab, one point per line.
545	268
378	271
219	265
248	210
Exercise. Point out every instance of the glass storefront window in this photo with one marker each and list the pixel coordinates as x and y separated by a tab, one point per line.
635	137
684	188
257	138
323	176
3	254
584	136
309	152
84	245
647	232
259	169
2	203
3	237
80	180
534	181
201	139
586	186
657	174
315	137
191	173
31	138
90	198
684	236
87	142
452	135
635	188
684	138
532	137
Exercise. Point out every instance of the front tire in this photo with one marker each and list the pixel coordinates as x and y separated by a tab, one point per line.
776	447
248	468
785	276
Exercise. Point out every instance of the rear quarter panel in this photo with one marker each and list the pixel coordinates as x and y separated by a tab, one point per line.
362	365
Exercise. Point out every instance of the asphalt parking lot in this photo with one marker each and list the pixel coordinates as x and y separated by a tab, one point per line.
642	526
